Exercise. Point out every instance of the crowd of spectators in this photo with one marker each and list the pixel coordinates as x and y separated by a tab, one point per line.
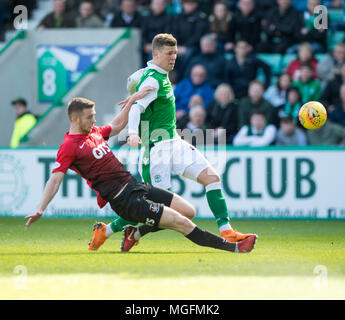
220	81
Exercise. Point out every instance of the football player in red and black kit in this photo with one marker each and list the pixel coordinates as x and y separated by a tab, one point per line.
85	150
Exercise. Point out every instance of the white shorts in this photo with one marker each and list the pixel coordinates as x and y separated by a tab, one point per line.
172	156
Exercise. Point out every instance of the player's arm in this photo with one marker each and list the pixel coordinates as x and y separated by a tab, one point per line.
134	114
120	121
50	190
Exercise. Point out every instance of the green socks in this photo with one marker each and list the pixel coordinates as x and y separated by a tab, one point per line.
118	224
217	204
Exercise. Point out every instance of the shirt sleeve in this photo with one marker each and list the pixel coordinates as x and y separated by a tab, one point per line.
64	158
105	131
133	80
151	96
134	119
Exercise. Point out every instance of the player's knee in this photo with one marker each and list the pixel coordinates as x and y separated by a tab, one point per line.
208	176
184	224
183	207
190	212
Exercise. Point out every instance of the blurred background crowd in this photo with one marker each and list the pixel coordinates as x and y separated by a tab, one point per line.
245	66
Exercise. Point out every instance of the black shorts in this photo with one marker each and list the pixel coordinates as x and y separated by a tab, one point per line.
141	202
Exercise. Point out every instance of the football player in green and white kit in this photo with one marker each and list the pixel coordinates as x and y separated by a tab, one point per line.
152	124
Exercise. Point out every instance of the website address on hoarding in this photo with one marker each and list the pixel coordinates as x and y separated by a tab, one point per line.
274	213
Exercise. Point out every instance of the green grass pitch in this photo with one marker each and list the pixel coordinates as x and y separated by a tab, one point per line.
291	260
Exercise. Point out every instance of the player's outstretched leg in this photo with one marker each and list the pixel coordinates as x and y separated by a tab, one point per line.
171	219
131	234
211	180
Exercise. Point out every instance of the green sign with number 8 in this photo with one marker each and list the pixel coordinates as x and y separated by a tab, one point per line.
52	78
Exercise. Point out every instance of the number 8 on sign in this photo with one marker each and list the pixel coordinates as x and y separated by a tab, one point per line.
49	85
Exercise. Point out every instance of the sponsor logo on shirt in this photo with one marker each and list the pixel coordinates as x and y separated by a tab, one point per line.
101	150
158	178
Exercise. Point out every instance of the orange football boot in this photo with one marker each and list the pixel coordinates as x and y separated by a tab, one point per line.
234	236
98	236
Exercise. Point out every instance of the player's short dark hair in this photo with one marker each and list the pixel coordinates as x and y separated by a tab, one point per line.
79	104
163	39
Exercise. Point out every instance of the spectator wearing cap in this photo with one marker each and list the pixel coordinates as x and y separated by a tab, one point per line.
59	18
290	135
257	133
243	68
128	16
24	122
87	18
212	60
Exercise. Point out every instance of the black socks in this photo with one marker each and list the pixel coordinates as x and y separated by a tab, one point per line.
208	239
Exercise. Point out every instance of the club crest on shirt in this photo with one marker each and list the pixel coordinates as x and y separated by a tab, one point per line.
158	178
154	207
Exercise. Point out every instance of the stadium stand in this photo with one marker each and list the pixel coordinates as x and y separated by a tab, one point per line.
19	40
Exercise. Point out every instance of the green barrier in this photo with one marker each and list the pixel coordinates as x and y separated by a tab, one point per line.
21	35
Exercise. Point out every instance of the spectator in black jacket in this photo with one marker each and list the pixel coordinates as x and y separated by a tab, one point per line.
58	18
222	114
156	22
212	60
219	25
243	68
338	114
331	94
188	28
128	16
308	33
255	101
281	26
246	24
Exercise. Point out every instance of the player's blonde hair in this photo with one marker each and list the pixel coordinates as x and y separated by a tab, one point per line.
163	39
